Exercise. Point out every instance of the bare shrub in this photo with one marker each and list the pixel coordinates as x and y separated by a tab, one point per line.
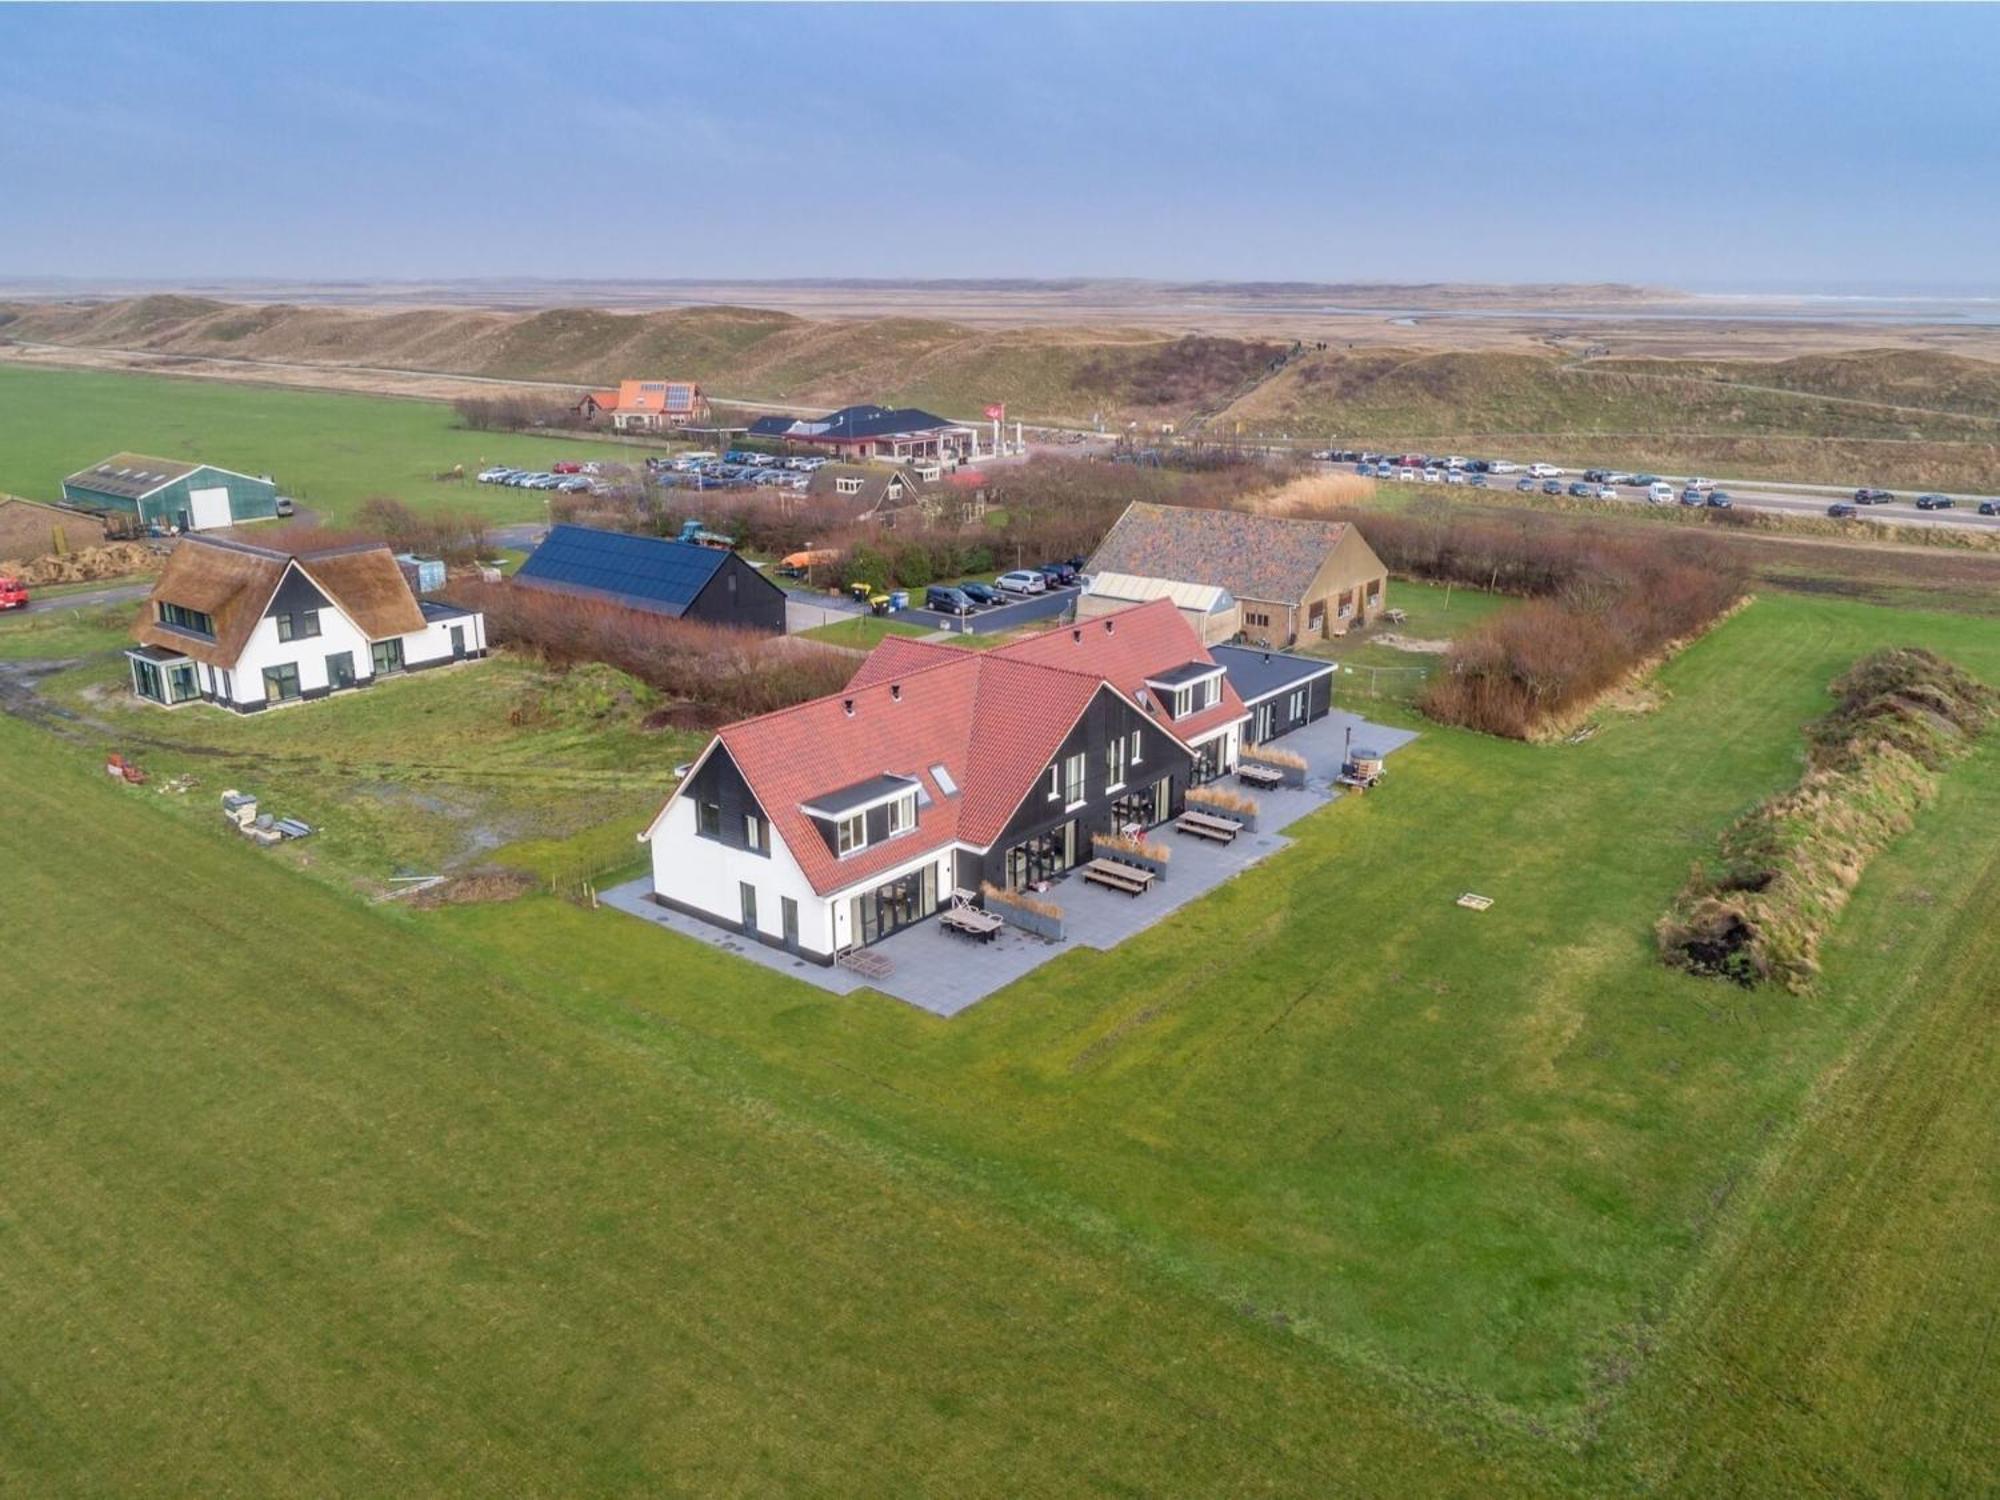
729	673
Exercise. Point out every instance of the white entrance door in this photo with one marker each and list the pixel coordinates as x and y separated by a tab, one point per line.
210	507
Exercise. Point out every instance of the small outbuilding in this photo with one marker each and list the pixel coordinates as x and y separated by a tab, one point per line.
1207	607
136	492
681	580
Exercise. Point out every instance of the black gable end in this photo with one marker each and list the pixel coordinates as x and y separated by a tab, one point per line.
739	595
295	594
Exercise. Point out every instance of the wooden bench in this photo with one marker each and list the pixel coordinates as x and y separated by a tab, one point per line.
980	926
1203	826
1260	776
1113	875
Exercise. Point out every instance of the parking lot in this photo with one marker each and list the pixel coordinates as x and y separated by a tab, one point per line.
986	620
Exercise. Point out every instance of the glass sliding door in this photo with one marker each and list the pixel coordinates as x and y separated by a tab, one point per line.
895	904
1042	857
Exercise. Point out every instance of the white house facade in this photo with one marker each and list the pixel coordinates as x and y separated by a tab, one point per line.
248	628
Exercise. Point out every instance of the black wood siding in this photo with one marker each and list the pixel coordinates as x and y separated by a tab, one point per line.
740	596
1107	717
294	597
719	781
1319	699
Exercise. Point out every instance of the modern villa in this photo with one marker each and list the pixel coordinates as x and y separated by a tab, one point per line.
829	825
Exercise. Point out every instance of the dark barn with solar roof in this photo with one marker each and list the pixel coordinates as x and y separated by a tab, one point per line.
677	579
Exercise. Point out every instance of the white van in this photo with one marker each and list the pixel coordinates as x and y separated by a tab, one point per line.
1660	494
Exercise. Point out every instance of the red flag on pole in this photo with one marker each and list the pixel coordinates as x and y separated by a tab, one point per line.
996	412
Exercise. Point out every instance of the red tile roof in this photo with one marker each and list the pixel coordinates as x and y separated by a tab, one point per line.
993	719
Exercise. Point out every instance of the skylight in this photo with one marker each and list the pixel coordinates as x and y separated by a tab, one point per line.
944	782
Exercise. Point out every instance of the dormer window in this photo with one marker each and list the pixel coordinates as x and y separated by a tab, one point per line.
852	834
903	814
192	621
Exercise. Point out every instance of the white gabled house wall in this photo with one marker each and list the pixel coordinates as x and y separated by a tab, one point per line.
705	877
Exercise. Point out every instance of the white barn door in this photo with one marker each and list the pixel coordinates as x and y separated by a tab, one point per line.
210	507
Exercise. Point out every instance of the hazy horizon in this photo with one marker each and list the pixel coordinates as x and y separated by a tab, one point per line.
1722	150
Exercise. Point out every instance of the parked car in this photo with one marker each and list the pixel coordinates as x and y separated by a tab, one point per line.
1872	497
1552	487
1366	471
1059	574
1659	492
1989	507
1524	485
1698	483
982	593
1619	476
1454	476
1719	499
285	506
1596	476
1433	476
1606	492
1544	471
1502	466
1477	481
1935	502
947	600
1644	481
567	466
1023	581
1840	510
1408	476
1691	496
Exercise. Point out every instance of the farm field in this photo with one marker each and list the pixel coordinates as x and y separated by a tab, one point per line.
329	451
1325	1185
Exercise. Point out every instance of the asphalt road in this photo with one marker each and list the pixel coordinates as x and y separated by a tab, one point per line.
1010	616
126	593
1797	500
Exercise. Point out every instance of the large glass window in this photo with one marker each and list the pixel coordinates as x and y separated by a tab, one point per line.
146	681
903	814
298	627
1114	764
1073	770
191	620
281	684
340	669
708	819
852	833
387	655
181	684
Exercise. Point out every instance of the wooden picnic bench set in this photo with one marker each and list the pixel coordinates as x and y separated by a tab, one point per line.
1262	777
1203	825
1116	875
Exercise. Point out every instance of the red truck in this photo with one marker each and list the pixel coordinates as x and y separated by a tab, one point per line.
13	593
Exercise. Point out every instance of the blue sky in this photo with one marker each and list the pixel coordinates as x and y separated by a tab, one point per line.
1719	147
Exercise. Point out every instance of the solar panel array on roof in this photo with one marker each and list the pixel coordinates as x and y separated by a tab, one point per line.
641	572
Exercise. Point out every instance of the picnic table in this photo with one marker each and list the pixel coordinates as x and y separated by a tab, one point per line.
1259	776
1205	826
970	921
1118	876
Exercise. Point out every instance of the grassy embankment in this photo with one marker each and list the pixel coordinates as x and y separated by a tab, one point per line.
1352	1175
1903	419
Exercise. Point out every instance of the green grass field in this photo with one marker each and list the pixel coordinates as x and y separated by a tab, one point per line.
863	631
1324	1186
330	451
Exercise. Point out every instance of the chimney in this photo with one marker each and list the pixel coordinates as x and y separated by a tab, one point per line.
895	692
847	707
1077	635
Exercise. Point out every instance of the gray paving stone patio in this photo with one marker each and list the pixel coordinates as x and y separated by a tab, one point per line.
942	973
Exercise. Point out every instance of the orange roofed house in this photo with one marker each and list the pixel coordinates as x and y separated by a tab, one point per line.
647	405
829	825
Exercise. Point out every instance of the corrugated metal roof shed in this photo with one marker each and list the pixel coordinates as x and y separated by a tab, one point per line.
1206	598
640	572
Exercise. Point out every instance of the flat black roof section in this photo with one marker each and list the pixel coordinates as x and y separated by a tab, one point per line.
1260	674
862	793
